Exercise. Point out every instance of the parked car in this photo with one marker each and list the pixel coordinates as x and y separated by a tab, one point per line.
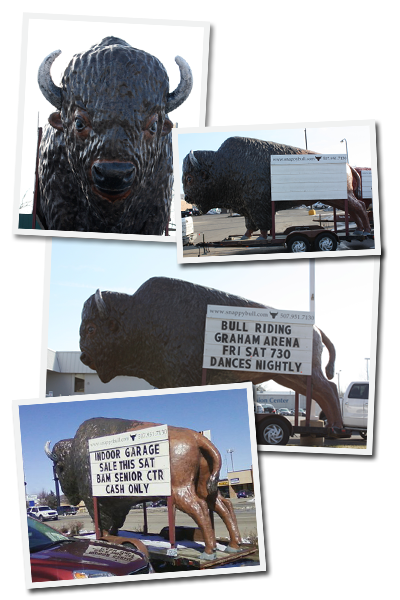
245	494
268	408
214	211
56	557
158	503
43	513
66	510
284	411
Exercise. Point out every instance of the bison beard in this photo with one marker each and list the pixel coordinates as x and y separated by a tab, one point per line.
157	334
195	465
105	159
237	176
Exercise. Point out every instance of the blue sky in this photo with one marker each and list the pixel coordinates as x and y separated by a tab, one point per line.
224	412
320	138
344	290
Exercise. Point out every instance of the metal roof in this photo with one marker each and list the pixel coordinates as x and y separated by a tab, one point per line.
66	362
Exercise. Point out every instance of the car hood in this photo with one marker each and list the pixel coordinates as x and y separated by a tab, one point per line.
91	554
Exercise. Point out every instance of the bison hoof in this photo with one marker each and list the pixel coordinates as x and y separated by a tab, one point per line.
205	556
232	550
245	237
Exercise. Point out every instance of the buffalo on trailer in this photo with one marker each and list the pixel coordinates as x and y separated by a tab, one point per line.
308	179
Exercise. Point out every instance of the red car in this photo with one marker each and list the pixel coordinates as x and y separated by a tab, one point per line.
55	557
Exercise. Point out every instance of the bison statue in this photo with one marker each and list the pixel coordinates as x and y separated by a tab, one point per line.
105	159
238	177
195	466
158	334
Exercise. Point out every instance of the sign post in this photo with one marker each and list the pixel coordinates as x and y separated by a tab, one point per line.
132	463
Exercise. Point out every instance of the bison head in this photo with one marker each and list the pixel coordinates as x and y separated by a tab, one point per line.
103	340
199	185
62	457
112	109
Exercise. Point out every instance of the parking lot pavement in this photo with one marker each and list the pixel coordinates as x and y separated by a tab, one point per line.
215	228
158	518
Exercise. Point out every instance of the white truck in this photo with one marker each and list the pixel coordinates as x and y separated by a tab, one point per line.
275	429
354	408
188	235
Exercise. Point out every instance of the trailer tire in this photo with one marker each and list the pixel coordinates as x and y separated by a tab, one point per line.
298	243
363	435
325	242
273	432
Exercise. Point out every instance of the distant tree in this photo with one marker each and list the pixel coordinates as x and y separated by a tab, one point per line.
47	499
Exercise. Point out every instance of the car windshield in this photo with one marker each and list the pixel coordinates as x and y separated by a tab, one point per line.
44	508
42	536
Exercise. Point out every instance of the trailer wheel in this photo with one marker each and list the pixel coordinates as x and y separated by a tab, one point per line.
298	243
274	433
363	435
325	242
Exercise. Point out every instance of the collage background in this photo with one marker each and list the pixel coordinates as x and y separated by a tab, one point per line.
331	523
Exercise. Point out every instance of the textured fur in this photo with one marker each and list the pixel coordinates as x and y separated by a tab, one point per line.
119	88
158	334
195	466
238	177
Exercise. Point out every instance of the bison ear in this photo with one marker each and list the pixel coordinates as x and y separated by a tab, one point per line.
114	325
168	125
55	121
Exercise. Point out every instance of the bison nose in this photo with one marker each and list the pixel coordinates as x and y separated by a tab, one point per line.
113	176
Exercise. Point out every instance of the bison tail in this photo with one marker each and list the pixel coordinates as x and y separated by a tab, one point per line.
330	367
214	460
356	183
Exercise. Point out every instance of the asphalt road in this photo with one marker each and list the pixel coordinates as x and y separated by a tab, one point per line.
157	518
215	228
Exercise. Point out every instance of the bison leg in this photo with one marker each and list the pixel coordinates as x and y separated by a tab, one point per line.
359	213
188	502
224	509
323	391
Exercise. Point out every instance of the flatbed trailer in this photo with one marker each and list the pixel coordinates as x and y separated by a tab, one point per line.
294	239
186	553
275	430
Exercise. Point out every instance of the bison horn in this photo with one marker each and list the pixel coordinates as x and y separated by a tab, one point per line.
49	453
50	91
101	305
178	96
194	162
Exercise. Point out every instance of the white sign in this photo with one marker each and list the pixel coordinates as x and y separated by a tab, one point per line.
133	463
258	339
308	177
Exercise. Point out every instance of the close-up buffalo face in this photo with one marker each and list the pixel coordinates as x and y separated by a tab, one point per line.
112	116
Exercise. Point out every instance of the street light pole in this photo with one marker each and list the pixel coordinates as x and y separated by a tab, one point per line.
367	359
347	153
231	451
338	380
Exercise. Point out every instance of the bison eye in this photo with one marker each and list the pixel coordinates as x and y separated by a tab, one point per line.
189	179
153	128
79	124
90	329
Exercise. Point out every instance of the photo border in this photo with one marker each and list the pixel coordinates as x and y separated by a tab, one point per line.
21	104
